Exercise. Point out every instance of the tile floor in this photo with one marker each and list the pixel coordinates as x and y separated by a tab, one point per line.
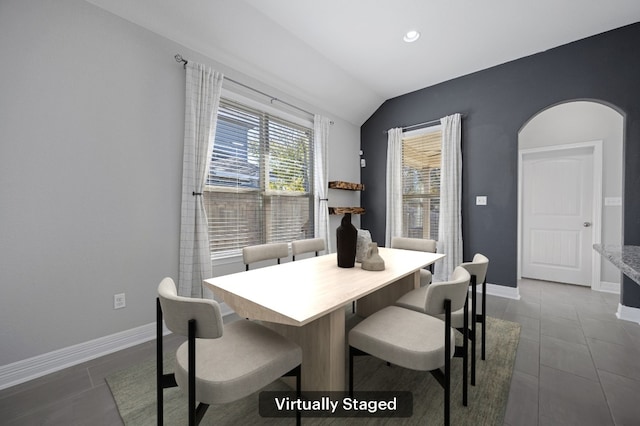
577	364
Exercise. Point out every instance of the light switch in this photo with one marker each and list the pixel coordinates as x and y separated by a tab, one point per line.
612	201
481	200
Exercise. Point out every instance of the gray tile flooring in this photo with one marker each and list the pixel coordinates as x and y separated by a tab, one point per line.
577	364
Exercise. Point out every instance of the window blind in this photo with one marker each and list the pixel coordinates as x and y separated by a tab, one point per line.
421	162
259	183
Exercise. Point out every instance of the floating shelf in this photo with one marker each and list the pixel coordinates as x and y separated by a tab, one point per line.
343	210
350	186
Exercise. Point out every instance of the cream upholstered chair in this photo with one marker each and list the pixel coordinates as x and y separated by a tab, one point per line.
207	365
307	246
478	271
257	253
417	244
412	339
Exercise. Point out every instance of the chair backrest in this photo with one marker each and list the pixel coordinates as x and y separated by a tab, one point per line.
415	244
307	246
261	252
178	310
478	267
456	290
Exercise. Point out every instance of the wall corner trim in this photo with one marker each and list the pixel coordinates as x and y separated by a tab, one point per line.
628	313
608	287
503	291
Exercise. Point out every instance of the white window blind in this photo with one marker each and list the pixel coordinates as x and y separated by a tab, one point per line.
421	161
259	184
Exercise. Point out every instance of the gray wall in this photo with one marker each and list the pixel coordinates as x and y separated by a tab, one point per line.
497	102
91	127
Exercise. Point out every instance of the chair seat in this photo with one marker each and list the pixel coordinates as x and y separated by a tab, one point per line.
245	359
403	337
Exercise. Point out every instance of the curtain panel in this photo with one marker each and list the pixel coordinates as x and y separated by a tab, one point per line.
394	185
202	97
450	230
321	127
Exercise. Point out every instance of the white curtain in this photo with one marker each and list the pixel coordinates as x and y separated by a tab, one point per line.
203	87
450	229
321	178
394	185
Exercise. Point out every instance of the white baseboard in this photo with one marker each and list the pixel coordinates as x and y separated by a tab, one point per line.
37	366
503	291
41	365
628	313
608	287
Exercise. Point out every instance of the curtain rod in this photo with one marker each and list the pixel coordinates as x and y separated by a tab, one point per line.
179	58
424	124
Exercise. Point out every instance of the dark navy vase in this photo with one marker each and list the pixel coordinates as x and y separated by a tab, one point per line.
346	241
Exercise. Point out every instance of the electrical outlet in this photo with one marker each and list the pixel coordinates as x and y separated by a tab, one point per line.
119	301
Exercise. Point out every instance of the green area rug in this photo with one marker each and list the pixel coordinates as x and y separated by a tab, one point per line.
134	391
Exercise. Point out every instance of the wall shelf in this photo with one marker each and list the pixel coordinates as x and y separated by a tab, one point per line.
343	210
348	186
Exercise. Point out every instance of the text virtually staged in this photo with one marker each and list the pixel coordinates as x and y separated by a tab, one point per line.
336	404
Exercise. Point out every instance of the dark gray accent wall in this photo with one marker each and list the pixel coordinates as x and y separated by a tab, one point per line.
496	103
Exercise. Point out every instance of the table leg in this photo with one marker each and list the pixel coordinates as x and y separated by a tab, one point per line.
323	351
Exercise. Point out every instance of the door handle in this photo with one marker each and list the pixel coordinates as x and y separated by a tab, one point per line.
586	224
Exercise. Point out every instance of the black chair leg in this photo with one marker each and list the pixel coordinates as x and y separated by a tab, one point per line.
298	392
473	330
465	354
484	317
192	372
447	361
159	366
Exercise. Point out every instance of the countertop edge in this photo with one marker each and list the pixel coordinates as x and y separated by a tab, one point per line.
626	258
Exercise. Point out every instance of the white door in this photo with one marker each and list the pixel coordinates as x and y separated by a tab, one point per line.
557	212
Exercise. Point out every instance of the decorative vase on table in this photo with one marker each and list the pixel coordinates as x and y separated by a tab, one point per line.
346	241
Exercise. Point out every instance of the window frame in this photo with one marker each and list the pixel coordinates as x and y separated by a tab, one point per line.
264	193
421	195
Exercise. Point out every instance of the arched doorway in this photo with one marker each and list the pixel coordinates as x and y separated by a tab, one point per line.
570	193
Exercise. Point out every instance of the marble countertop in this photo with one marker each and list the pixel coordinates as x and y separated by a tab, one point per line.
627	258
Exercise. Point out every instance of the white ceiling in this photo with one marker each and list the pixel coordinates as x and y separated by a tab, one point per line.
347	57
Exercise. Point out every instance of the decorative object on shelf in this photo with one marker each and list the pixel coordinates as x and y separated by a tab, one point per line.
344	210
350	186
346	240
373	261
362	246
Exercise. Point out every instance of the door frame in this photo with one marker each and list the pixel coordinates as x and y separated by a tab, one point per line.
596	228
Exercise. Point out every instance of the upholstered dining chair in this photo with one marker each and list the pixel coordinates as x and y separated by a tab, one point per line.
412	339
208	366
477	269
260	252
311	245
417	244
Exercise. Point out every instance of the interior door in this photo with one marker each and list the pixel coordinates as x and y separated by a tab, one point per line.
557	211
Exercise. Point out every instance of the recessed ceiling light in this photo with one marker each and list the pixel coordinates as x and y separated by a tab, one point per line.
411	36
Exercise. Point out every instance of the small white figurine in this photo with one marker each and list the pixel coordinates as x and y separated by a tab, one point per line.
372	260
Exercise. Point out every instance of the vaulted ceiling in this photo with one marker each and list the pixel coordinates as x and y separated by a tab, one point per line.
347	56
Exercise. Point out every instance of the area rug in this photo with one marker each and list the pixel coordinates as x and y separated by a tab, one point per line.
135	394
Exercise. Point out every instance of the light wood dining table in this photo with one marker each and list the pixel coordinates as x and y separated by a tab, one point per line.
306	301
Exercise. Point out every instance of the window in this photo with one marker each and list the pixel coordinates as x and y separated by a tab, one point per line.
421	157
259	186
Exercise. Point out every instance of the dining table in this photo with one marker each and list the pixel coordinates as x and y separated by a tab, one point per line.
307	301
